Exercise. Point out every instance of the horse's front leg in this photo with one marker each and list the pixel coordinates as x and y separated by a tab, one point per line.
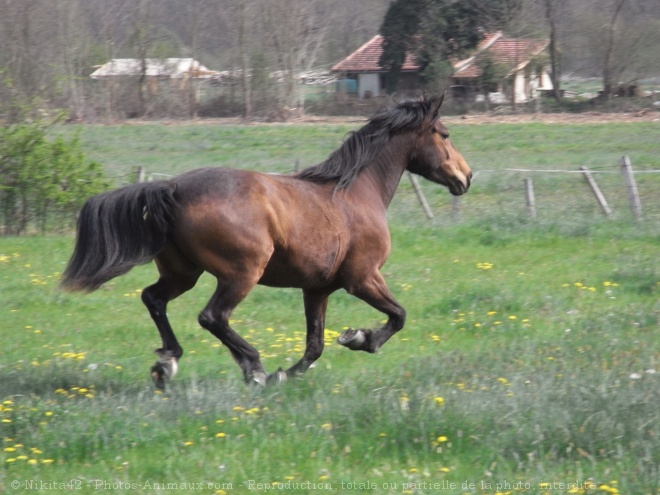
215	319
374	292
316	305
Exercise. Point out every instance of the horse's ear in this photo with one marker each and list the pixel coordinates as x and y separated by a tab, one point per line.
436	103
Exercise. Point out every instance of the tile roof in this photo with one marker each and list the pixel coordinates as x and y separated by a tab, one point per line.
366	58
512	52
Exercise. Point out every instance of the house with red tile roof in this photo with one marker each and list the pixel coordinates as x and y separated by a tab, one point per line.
525	70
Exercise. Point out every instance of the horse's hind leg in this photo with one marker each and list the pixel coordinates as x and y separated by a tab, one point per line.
215	319
375	292
170	285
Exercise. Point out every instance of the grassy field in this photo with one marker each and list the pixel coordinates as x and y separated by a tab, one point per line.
527	365
491	150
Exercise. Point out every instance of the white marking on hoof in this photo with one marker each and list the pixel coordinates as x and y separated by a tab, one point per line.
353	339
277	378
166	367
170	366
174	367
259	379
280	376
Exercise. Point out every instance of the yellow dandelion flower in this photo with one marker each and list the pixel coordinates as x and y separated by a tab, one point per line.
441	439
47	461
188	443
439	400
220	435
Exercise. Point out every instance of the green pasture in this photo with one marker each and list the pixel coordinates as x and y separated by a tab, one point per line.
529	363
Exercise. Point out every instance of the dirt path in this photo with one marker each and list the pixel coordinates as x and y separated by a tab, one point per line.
491	118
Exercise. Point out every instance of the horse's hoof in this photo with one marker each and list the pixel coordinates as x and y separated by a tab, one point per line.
259	378
353	339
276	378
165	369
161	373
157	378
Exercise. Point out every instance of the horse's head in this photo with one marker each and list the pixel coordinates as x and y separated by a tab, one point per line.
435	158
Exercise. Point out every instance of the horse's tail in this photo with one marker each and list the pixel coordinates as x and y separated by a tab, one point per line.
118	230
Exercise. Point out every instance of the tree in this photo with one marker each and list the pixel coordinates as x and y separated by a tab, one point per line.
620	41
437	31
296	32
490	75
608	83
40	178
553	9
399	29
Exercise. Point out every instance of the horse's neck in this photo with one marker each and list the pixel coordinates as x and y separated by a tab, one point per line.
384	174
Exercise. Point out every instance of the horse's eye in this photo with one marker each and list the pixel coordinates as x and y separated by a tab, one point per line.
444	134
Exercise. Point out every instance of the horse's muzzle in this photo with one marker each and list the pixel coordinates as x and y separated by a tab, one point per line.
458	187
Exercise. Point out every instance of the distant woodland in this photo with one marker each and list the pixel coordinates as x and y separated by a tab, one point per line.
49	48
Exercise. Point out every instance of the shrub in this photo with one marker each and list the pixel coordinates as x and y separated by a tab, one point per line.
42	182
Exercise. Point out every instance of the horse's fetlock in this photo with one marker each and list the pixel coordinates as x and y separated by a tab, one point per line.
204	320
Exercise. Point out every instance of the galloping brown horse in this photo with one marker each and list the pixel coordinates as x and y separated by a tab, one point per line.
321	230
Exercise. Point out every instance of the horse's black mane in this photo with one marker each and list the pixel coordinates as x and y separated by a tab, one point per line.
362	146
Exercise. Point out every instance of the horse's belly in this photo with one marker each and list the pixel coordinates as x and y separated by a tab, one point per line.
302	268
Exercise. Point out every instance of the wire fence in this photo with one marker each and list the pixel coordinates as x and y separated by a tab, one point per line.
542	196
558	196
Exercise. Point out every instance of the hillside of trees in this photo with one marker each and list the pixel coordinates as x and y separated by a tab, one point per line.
50	48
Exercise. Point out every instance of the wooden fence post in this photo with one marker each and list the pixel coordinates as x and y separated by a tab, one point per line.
420	195
633	193
140	174
596	190
529	196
